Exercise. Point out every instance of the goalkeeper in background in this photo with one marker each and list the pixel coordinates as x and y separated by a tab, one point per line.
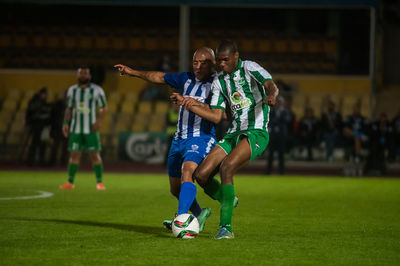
81	124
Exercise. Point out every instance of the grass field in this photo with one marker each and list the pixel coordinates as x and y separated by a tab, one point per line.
279	221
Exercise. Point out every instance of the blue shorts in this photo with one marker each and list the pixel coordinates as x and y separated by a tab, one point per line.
193	149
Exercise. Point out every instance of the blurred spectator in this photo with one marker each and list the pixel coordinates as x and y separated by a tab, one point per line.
381	136
355	133
59	141
284	89
331	127
394	151
308	132
291	126
280	120
37	118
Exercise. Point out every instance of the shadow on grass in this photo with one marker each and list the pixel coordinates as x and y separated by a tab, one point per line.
152	230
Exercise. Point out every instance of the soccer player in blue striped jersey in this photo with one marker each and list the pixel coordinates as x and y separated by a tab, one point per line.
81	125
195	137
248	90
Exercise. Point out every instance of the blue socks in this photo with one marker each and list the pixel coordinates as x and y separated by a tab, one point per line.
187	197
195	208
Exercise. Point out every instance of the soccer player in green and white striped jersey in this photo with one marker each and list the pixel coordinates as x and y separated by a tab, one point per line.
81	124
248	90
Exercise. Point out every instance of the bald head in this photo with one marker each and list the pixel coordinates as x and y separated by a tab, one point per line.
203	63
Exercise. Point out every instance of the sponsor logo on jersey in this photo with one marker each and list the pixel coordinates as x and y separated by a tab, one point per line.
239	102
82	109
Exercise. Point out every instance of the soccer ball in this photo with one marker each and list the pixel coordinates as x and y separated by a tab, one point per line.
185	226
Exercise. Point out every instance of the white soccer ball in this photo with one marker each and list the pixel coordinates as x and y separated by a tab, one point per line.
185	226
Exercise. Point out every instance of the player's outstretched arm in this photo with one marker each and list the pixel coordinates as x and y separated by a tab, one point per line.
201	109
272	92
151	76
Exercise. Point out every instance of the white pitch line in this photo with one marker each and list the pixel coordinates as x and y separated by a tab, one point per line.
43	194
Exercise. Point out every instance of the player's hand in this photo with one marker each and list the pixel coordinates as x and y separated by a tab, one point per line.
189	102
123	69
65	130
96	126
270	100
176	98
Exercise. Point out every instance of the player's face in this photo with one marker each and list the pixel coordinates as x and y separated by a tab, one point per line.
83	75
227	61
203	65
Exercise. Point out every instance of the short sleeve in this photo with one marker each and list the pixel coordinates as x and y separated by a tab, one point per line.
101	100
176	80
257	72
217	99
70	97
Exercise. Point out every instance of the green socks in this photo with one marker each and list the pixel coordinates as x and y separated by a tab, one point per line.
98	170
227	199
72	168
213	189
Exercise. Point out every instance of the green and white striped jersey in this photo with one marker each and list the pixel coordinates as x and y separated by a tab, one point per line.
84	103
243	90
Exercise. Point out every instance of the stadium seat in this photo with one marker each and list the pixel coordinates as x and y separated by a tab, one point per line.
161	107
131	96
6	116
128	107
112	107
114	96
20	116
3	128
24	104
17	127
9	105
13	94
144	108
265	45
140	123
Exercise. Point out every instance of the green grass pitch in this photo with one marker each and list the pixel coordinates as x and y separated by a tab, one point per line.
279	221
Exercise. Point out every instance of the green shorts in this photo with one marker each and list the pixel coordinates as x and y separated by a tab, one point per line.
89	142
257	138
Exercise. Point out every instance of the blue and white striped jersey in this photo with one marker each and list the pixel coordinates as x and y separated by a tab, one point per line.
189	124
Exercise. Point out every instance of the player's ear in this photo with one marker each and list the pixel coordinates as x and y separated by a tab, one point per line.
236	55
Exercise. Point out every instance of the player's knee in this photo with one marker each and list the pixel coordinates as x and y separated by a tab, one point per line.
201	176
227	168
174	191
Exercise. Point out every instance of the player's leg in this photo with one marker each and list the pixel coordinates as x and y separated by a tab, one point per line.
93	145
175	169
196	149
251	144
97	164
75	147
204	174
236	159
188	189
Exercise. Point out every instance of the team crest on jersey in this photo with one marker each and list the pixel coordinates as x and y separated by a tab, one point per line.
82	109
242	82
239	101
195	147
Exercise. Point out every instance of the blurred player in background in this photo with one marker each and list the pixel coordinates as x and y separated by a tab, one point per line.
195	137
82	123
248	89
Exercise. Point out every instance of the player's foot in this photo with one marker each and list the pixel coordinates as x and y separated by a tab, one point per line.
236	202
168	224
205	212
67	185
224	233
100	186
